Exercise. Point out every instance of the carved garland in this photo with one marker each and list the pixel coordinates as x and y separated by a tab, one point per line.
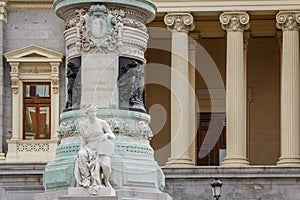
235	21
130	128
288	20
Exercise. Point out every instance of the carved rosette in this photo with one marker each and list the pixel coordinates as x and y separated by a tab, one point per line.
131	128
288	20
235	21
181	22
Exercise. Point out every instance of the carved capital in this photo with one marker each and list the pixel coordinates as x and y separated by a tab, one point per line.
181	22
235	21
288	20
3	10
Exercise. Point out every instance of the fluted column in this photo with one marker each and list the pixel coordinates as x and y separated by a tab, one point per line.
289	22
235	23
179	24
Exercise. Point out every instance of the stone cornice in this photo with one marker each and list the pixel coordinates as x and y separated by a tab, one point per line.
234	21
288	20
214	7
181	22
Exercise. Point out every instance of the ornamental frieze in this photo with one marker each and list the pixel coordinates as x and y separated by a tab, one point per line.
130	128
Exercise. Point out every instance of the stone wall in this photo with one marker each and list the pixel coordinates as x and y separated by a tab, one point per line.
265	183
20	181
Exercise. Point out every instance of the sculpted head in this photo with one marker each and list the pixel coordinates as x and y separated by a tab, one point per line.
90	110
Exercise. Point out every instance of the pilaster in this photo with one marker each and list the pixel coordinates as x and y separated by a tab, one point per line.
180	24
235	23
289	22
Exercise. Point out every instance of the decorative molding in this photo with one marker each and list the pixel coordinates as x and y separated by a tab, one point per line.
288	20
35	70
30	5
235	21
33	147
55	84
15	84
67	150
130	128
181	22
3	10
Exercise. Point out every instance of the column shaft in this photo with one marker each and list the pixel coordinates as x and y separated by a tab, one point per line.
289	22
290	93
179	24
234	23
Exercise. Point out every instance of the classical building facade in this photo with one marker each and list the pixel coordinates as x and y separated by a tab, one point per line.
222	86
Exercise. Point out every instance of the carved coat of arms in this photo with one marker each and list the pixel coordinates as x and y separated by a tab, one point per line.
99	30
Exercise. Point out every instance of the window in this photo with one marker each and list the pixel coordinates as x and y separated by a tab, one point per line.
36	115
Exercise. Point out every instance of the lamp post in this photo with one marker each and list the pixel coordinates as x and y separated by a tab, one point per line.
216	188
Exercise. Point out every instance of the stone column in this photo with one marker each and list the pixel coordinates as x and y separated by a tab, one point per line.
179	24
3	20
289	22
235	23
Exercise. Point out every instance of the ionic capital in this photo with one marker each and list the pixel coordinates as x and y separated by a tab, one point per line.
3	10
288	20
235	21
181	22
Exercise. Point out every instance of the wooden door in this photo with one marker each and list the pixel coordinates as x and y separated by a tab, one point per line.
211	139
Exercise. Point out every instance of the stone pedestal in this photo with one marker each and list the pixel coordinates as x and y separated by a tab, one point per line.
120	195
105	45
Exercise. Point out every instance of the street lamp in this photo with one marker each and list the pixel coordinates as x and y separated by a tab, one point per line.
216	188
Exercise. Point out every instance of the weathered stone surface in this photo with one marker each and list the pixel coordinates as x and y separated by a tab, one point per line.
20	181
248	183
39	27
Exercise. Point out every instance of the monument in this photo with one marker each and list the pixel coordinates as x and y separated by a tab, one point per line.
105	45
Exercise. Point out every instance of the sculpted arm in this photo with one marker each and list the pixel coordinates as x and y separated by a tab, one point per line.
107	130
